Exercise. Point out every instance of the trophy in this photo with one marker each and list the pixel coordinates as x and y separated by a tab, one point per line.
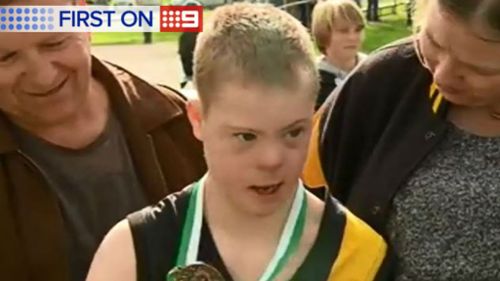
195	272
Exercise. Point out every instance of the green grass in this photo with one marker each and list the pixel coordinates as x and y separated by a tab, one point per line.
379	34
120	38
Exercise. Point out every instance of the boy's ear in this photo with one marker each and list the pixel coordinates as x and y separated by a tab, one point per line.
195	117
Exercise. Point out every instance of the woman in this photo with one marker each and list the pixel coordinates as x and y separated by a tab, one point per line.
337	27
412	143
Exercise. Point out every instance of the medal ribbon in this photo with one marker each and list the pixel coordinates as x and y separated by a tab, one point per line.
288	243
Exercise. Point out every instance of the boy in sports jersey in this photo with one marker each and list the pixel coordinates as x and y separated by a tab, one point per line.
249	217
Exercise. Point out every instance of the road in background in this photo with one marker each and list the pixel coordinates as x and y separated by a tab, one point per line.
156	63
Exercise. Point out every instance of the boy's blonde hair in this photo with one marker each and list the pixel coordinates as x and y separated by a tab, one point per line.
252	43
326	13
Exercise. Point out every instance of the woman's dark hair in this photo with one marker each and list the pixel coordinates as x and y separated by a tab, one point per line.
483	11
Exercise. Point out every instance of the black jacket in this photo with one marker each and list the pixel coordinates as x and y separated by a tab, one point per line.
374	131
327	84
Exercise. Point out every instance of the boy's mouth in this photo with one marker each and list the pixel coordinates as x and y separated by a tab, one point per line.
266	189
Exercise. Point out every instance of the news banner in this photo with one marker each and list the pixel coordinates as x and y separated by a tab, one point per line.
101	19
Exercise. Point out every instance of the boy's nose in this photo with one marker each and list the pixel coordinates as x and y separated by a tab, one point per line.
271	158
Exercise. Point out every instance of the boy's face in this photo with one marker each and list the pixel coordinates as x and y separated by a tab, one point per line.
346	39
255	140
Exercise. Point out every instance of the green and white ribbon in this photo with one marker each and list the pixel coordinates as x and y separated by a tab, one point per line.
287	246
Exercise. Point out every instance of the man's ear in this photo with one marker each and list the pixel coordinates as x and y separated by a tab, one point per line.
194	112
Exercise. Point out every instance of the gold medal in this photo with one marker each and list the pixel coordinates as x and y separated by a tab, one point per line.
195	272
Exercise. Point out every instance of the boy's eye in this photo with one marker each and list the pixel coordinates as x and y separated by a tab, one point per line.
295	133
245	137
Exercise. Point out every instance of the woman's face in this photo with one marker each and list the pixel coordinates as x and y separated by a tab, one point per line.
465	67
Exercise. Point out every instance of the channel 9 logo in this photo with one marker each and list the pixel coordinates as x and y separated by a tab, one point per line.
101	19
181	18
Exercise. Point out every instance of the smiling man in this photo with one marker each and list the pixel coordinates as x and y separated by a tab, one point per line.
82	144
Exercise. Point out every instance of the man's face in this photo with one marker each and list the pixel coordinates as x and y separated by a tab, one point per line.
44	77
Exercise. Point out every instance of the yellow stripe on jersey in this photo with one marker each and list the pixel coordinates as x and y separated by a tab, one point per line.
312	175
361	254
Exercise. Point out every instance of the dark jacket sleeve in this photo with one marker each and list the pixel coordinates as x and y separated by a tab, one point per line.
387	270
356	114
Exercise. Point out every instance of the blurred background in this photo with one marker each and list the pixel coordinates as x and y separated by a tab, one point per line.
158	61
